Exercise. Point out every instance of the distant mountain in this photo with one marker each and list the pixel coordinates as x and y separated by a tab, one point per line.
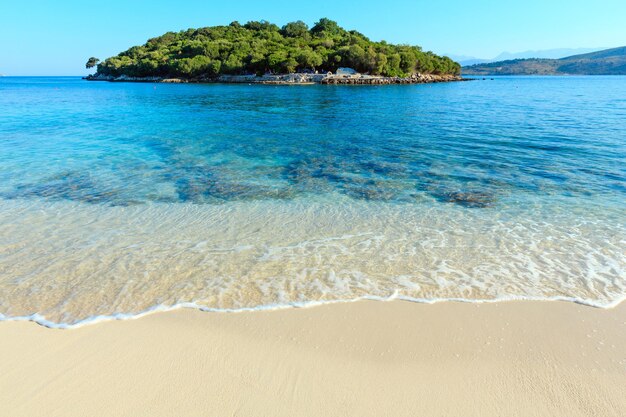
466	60
472	61
546	54
605	62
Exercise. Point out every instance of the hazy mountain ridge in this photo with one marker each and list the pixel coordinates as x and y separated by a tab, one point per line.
556	53
605	62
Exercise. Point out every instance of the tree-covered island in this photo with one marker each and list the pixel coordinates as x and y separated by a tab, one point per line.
262	48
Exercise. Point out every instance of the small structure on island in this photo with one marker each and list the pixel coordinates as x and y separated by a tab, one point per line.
346	71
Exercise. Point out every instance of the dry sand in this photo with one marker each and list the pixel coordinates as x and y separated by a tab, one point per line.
356	359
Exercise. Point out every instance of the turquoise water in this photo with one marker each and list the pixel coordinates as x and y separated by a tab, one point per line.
117	198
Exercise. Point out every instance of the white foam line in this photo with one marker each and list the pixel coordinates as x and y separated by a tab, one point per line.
41	320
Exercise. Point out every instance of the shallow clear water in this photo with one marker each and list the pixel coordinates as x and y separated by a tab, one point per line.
116	198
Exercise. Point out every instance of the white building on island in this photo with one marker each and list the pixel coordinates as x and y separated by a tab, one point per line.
346	71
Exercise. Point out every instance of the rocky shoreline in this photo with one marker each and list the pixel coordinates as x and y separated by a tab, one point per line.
291	79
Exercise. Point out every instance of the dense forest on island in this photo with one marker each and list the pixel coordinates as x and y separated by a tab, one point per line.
262	47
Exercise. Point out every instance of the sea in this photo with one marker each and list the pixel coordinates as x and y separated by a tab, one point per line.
121	199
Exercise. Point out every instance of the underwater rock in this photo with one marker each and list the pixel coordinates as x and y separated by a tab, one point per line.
72	186
313	174
204	184
367	180
370	191
475	199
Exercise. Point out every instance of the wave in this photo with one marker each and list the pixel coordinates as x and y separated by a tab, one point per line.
71	264
42	321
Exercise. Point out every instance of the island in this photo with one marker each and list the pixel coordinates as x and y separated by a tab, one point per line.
606	62
262	52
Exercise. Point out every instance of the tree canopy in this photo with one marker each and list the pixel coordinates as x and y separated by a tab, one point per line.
91	62
261	47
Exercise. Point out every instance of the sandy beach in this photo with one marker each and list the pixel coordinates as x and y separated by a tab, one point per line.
365	358
312	215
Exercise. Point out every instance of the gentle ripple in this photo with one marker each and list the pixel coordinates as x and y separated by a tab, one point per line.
117	198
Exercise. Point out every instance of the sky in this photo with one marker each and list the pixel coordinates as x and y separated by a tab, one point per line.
55	37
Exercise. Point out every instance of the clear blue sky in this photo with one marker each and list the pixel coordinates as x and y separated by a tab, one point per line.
46	37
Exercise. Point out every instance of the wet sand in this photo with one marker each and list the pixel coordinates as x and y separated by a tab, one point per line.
365	358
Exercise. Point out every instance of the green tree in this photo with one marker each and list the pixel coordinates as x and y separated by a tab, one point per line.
326	26
92	62
393	65
260	46
307	58
407	61
297	29
381	63
289	65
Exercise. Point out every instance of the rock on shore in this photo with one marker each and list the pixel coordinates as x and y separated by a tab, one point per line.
280	79
379	80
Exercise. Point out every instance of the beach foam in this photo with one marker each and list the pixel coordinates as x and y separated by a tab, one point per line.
66	263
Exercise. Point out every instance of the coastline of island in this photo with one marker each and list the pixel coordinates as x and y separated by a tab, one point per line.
291	79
